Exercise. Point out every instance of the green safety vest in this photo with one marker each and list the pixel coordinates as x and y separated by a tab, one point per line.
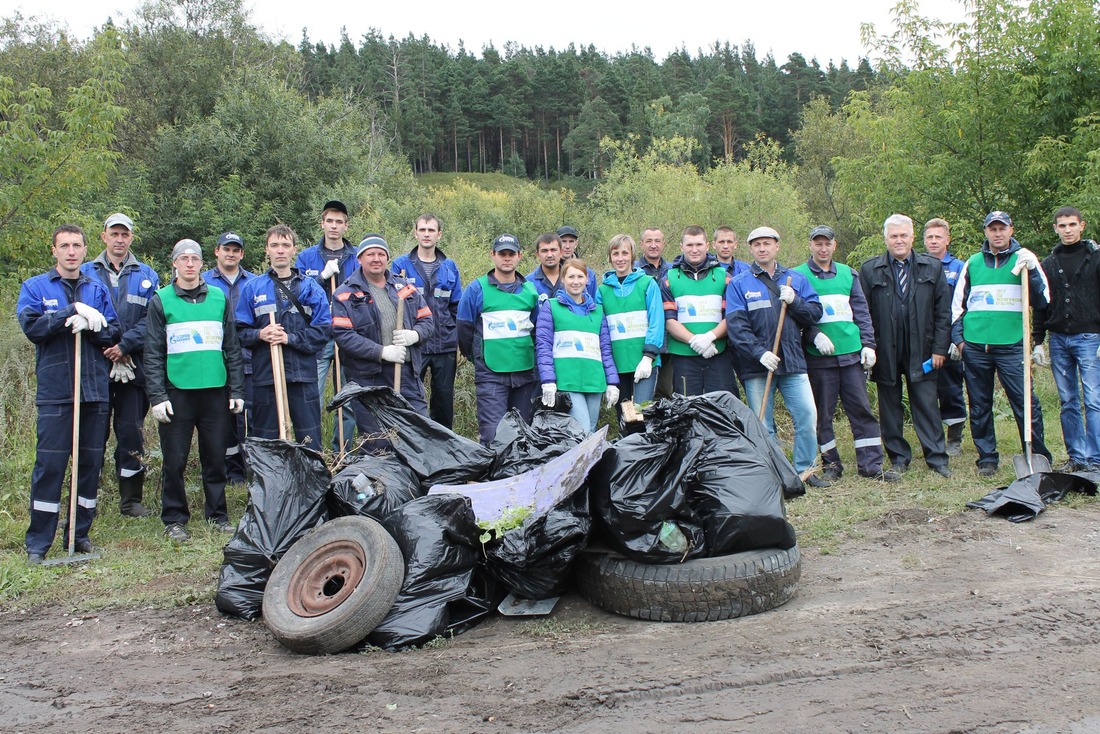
507	343
578	363
194	336
700	306
627	322
995	304
836	320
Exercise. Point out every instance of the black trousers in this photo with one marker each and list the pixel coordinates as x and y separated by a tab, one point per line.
441	401
202	411
693	375
925	408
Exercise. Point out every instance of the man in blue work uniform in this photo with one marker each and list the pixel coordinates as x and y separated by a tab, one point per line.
437	279
840	350
364	324
131	284
725	244
228	275
52	307
496	323
301	325
949	379
753	303
331	261
192	373
693	290
546	277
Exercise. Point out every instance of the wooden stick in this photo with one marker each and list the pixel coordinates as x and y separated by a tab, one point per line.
279	378
76	445
775	351
1025	295
336	377
400	326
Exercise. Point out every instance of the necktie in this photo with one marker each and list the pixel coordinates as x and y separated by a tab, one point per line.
903	277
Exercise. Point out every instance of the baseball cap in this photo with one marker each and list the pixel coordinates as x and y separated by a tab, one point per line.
998	216
335	205
372	240
823	231
119	218
506	242
567	230
186	247
763	232
230	238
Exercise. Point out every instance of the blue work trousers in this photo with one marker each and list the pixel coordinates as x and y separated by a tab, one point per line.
303	404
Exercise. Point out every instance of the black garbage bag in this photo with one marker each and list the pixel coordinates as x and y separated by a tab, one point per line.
520	447
638	496
1025	498
535	560
445	591
736	485
373	485
286	499
437	454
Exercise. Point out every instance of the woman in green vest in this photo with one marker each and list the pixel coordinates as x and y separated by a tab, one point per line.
635	316
573	348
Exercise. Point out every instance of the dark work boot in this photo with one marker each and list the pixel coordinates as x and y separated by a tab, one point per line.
129	496
955	438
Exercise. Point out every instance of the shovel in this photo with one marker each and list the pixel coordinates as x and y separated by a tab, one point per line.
73	556
1027	464
775	350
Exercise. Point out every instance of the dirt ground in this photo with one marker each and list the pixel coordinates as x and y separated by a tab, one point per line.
925	624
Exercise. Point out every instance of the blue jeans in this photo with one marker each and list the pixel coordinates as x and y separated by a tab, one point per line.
799	399
324	362
586	409
1073	358
982	363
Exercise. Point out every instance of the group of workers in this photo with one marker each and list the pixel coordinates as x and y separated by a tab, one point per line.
217	351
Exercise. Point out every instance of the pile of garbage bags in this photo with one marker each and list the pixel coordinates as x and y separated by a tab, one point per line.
476	523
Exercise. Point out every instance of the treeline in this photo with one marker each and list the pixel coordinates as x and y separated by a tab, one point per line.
543	113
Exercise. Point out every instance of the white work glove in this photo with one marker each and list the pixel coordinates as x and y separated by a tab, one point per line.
824	344
549	394
770	360
1098	352
163	412
709	352
122	372
394	353
77	322
405	337
1025	258
96	320
611	395
644	369
867	358
700	342
236	405
332	267
786	294
954	353
1039	356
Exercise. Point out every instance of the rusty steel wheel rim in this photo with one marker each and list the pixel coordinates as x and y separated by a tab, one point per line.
326	578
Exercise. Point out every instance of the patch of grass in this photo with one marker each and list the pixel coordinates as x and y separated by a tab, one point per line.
553	628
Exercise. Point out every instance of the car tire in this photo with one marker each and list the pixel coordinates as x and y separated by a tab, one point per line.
699	590
333	586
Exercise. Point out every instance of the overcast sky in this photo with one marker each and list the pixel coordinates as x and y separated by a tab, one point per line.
822	30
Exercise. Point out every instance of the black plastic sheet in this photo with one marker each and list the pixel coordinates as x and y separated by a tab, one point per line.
286	499
520	447
445	591
373	485
437	454
1025	498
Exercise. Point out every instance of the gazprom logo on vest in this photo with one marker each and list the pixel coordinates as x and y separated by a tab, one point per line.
180	338
501	324
561	343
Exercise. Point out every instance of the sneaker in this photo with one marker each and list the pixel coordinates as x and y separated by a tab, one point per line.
987	470
815	481
223	526
135	510
177	533
1072	466
942	470
35	559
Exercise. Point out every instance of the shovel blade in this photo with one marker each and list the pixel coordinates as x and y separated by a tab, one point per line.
513	606
70	560
1039	465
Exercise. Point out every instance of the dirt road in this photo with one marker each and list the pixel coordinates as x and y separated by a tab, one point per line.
955	624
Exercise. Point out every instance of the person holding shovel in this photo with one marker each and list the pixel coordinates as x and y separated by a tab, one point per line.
380	322
56	310
283	307
759	303
988	329
192	369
